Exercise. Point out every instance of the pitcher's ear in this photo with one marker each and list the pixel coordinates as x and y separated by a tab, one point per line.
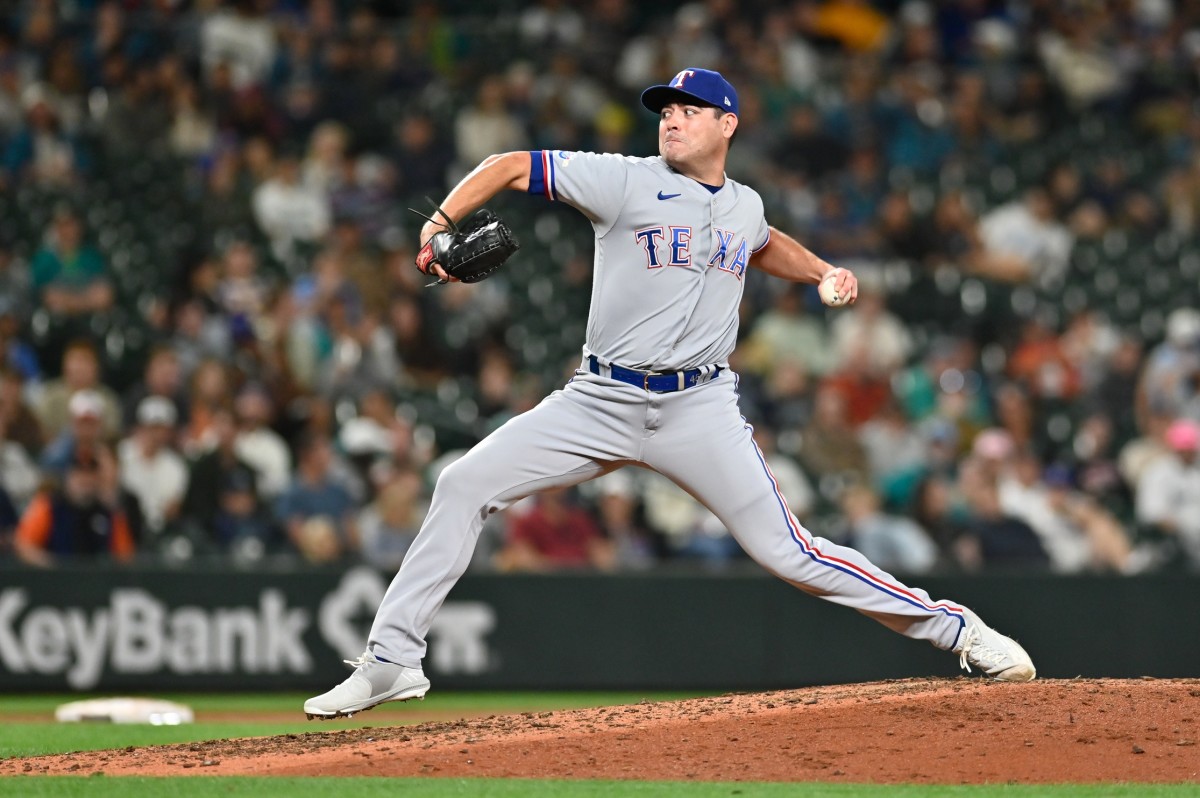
730	126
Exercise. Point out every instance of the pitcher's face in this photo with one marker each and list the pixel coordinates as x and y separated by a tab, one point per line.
693	134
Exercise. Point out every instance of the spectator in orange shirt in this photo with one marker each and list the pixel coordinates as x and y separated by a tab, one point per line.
73	521
1040	364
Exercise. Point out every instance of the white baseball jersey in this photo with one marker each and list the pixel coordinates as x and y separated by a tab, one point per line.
671	256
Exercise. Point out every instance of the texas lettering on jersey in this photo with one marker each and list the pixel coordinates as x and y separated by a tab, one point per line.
678	249
666	247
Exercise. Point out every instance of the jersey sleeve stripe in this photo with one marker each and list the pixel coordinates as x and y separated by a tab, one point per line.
537	172
551	189
761	246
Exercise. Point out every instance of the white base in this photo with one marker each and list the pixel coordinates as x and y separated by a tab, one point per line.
125	710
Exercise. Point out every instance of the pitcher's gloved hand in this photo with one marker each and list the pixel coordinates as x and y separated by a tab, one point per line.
469	252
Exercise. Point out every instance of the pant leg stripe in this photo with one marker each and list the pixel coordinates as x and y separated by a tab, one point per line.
842	565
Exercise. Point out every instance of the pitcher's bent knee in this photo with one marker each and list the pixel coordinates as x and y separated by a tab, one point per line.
465	484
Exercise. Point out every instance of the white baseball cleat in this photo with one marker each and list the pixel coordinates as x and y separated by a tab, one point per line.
998	656
372	683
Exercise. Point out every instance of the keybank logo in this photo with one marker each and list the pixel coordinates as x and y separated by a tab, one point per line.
137	632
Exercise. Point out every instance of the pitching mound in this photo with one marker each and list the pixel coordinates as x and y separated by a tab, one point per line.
922	730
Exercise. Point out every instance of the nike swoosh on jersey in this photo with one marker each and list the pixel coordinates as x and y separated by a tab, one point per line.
663	196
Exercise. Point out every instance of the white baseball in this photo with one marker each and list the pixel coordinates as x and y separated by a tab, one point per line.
829	293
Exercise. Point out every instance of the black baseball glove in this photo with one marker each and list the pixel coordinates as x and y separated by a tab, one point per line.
469	252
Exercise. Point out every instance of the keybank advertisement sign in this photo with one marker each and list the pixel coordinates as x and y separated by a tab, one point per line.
88	630
140	630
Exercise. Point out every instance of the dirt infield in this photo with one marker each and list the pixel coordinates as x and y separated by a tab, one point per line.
946	731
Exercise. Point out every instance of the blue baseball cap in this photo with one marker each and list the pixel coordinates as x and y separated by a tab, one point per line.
702	85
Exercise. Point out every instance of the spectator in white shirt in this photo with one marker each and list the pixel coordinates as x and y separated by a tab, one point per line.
1168	490
1024	240
150	470
19	475
243	39
487	126
259	446
289	210
869	333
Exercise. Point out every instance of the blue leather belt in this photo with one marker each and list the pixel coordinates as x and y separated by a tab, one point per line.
655	382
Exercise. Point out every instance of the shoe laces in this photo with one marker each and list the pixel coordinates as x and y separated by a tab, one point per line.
365	658
973	644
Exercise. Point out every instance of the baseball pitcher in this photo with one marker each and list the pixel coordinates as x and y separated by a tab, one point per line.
674	240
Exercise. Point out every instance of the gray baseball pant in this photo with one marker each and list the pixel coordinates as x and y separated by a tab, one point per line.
695	437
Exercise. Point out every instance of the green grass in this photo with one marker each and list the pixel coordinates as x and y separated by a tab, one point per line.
291	702
206	787
34	739
66	738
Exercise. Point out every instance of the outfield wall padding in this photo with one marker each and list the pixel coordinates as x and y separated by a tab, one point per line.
222	628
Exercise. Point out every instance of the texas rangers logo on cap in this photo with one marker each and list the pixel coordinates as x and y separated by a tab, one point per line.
698	85
677	81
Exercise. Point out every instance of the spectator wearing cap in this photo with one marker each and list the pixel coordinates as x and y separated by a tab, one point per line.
378	437
74	520
1023	495
80	372
151	472
1168	491
1170	370
1077	534
83	440
1109	548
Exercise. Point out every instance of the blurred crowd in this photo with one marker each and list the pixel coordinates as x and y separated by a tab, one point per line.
227	182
